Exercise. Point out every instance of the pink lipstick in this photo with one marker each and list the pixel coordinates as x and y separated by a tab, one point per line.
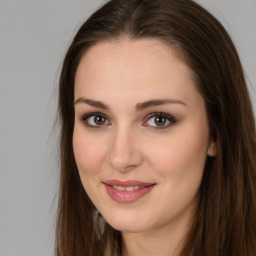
127	191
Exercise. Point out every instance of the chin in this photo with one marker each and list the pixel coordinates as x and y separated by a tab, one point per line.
127	229
125	224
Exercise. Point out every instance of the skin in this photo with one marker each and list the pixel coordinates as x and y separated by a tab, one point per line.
129	145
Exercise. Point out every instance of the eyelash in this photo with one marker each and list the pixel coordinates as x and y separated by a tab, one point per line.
166	117
93	114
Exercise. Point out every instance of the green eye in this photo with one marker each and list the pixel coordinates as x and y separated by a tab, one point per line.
160	121
95	120
99	120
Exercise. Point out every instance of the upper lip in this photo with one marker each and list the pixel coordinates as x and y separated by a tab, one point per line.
127	183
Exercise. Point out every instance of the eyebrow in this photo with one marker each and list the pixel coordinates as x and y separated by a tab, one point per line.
158	102
139	106
93	103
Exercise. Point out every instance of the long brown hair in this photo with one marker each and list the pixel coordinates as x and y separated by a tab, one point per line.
225	222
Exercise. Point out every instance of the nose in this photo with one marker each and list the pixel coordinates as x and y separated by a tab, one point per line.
124	152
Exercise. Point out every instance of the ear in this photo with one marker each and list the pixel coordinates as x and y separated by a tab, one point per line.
212	148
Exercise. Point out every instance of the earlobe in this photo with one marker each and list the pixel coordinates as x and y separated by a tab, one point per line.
212	149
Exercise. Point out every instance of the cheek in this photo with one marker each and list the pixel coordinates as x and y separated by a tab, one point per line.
180	153
88	153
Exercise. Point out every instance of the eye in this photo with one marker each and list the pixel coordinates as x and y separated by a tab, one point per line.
95	120
159	120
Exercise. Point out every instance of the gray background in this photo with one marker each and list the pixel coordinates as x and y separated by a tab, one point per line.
34	35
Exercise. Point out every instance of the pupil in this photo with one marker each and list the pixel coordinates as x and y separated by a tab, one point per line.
160	121
99	120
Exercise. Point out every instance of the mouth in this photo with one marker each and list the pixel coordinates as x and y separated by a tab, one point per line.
130	188
127	191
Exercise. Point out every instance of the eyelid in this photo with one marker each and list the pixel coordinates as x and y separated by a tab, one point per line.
169	117
85	117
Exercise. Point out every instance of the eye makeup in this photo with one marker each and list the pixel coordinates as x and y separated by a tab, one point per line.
159	120
156	120
95	120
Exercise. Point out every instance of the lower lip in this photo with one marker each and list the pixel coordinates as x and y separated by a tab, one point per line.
127	196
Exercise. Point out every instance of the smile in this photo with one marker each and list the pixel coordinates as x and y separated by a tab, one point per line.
127	191
131	188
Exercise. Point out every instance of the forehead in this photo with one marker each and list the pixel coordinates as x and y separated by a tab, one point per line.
145	66
130	51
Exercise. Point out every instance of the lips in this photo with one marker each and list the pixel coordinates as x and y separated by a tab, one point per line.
127	191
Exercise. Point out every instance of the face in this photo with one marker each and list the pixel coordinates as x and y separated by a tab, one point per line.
141	134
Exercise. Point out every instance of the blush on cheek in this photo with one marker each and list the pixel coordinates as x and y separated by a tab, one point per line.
178	156
88	155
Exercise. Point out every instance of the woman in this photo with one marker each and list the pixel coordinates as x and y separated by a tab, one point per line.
158	136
